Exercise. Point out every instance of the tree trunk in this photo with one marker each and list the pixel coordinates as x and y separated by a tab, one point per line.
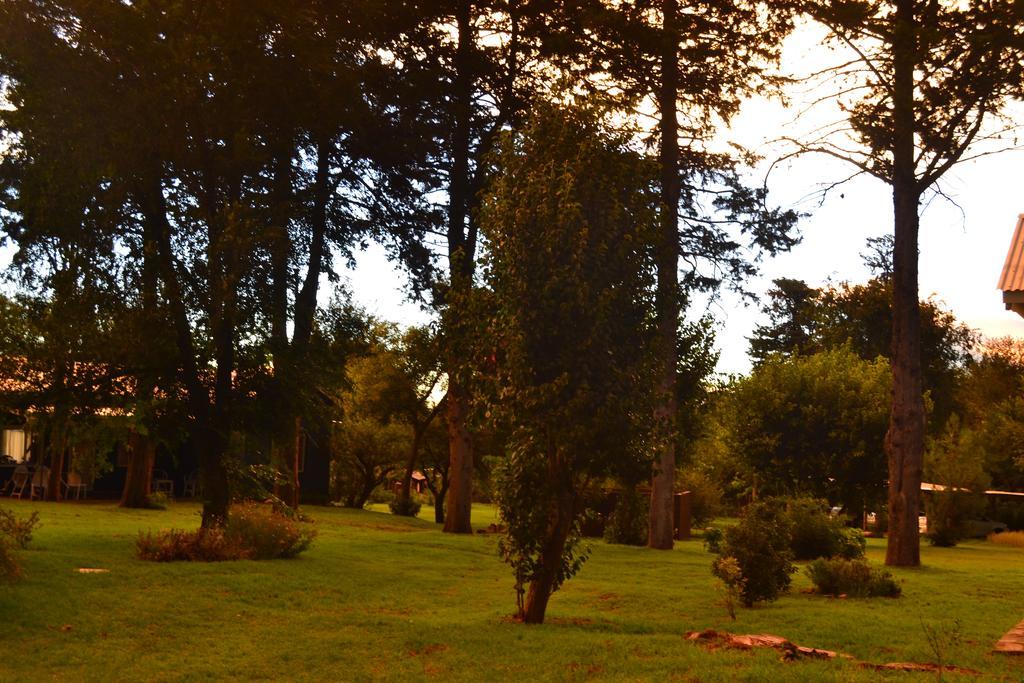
139	475
560	520
439	504
662	523
405	493
58	449
460	491
904	441
214	479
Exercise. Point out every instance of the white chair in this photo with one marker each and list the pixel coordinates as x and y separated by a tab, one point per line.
19	481
40	482
74	482
161	483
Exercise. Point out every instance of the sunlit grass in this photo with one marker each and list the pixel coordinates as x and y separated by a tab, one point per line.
384	597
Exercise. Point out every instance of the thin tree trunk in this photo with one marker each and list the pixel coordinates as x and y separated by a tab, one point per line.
58	448
662	523
560	520
405	493
904	442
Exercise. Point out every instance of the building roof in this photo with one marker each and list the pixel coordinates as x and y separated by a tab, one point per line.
1012	279
1011	282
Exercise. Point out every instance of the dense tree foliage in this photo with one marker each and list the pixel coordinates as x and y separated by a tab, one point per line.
568	219
813	425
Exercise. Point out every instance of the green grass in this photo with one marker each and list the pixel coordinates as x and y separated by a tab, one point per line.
382	597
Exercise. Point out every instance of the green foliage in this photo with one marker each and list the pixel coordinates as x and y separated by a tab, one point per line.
253	532
627	523
815	533
804	321
17	529
15	534
955	461
158	500
406	508
760	545
853	577
569	217
814	425
733	584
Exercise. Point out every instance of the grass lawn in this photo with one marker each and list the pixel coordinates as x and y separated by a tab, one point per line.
381	597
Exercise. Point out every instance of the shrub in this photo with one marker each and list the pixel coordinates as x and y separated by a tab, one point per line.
157	500
176	545
18	530
1014	539
713	537
15	533
731	576
818	534
627	523
760	545
265	534
856	578
10	569
253	532
405	508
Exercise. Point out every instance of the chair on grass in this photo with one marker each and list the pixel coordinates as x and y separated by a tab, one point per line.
40	482
192	484
75	483
18	482
161	483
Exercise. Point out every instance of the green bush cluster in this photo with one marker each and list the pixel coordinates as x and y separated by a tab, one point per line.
15	534
818	534
405	508
853	577
627	523
253	532
760	545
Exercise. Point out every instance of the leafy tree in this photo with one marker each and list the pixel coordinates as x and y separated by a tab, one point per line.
792	321
806	320
923	81
813	425
569	218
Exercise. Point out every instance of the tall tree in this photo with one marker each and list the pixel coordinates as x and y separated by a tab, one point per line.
923	85
684	61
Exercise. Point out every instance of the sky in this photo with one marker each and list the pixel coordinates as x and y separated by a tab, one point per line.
962	245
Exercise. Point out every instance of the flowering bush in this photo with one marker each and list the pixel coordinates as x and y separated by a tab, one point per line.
253	532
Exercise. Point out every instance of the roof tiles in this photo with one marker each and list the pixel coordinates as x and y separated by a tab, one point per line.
1012	279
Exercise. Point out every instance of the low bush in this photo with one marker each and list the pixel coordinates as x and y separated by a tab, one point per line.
405	508
265	534
760	545
817	534
15	534
157	500
856	578
180	545
253	532
627	523
1014	539
18	529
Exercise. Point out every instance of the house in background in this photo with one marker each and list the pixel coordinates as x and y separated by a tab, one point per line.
1011	282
